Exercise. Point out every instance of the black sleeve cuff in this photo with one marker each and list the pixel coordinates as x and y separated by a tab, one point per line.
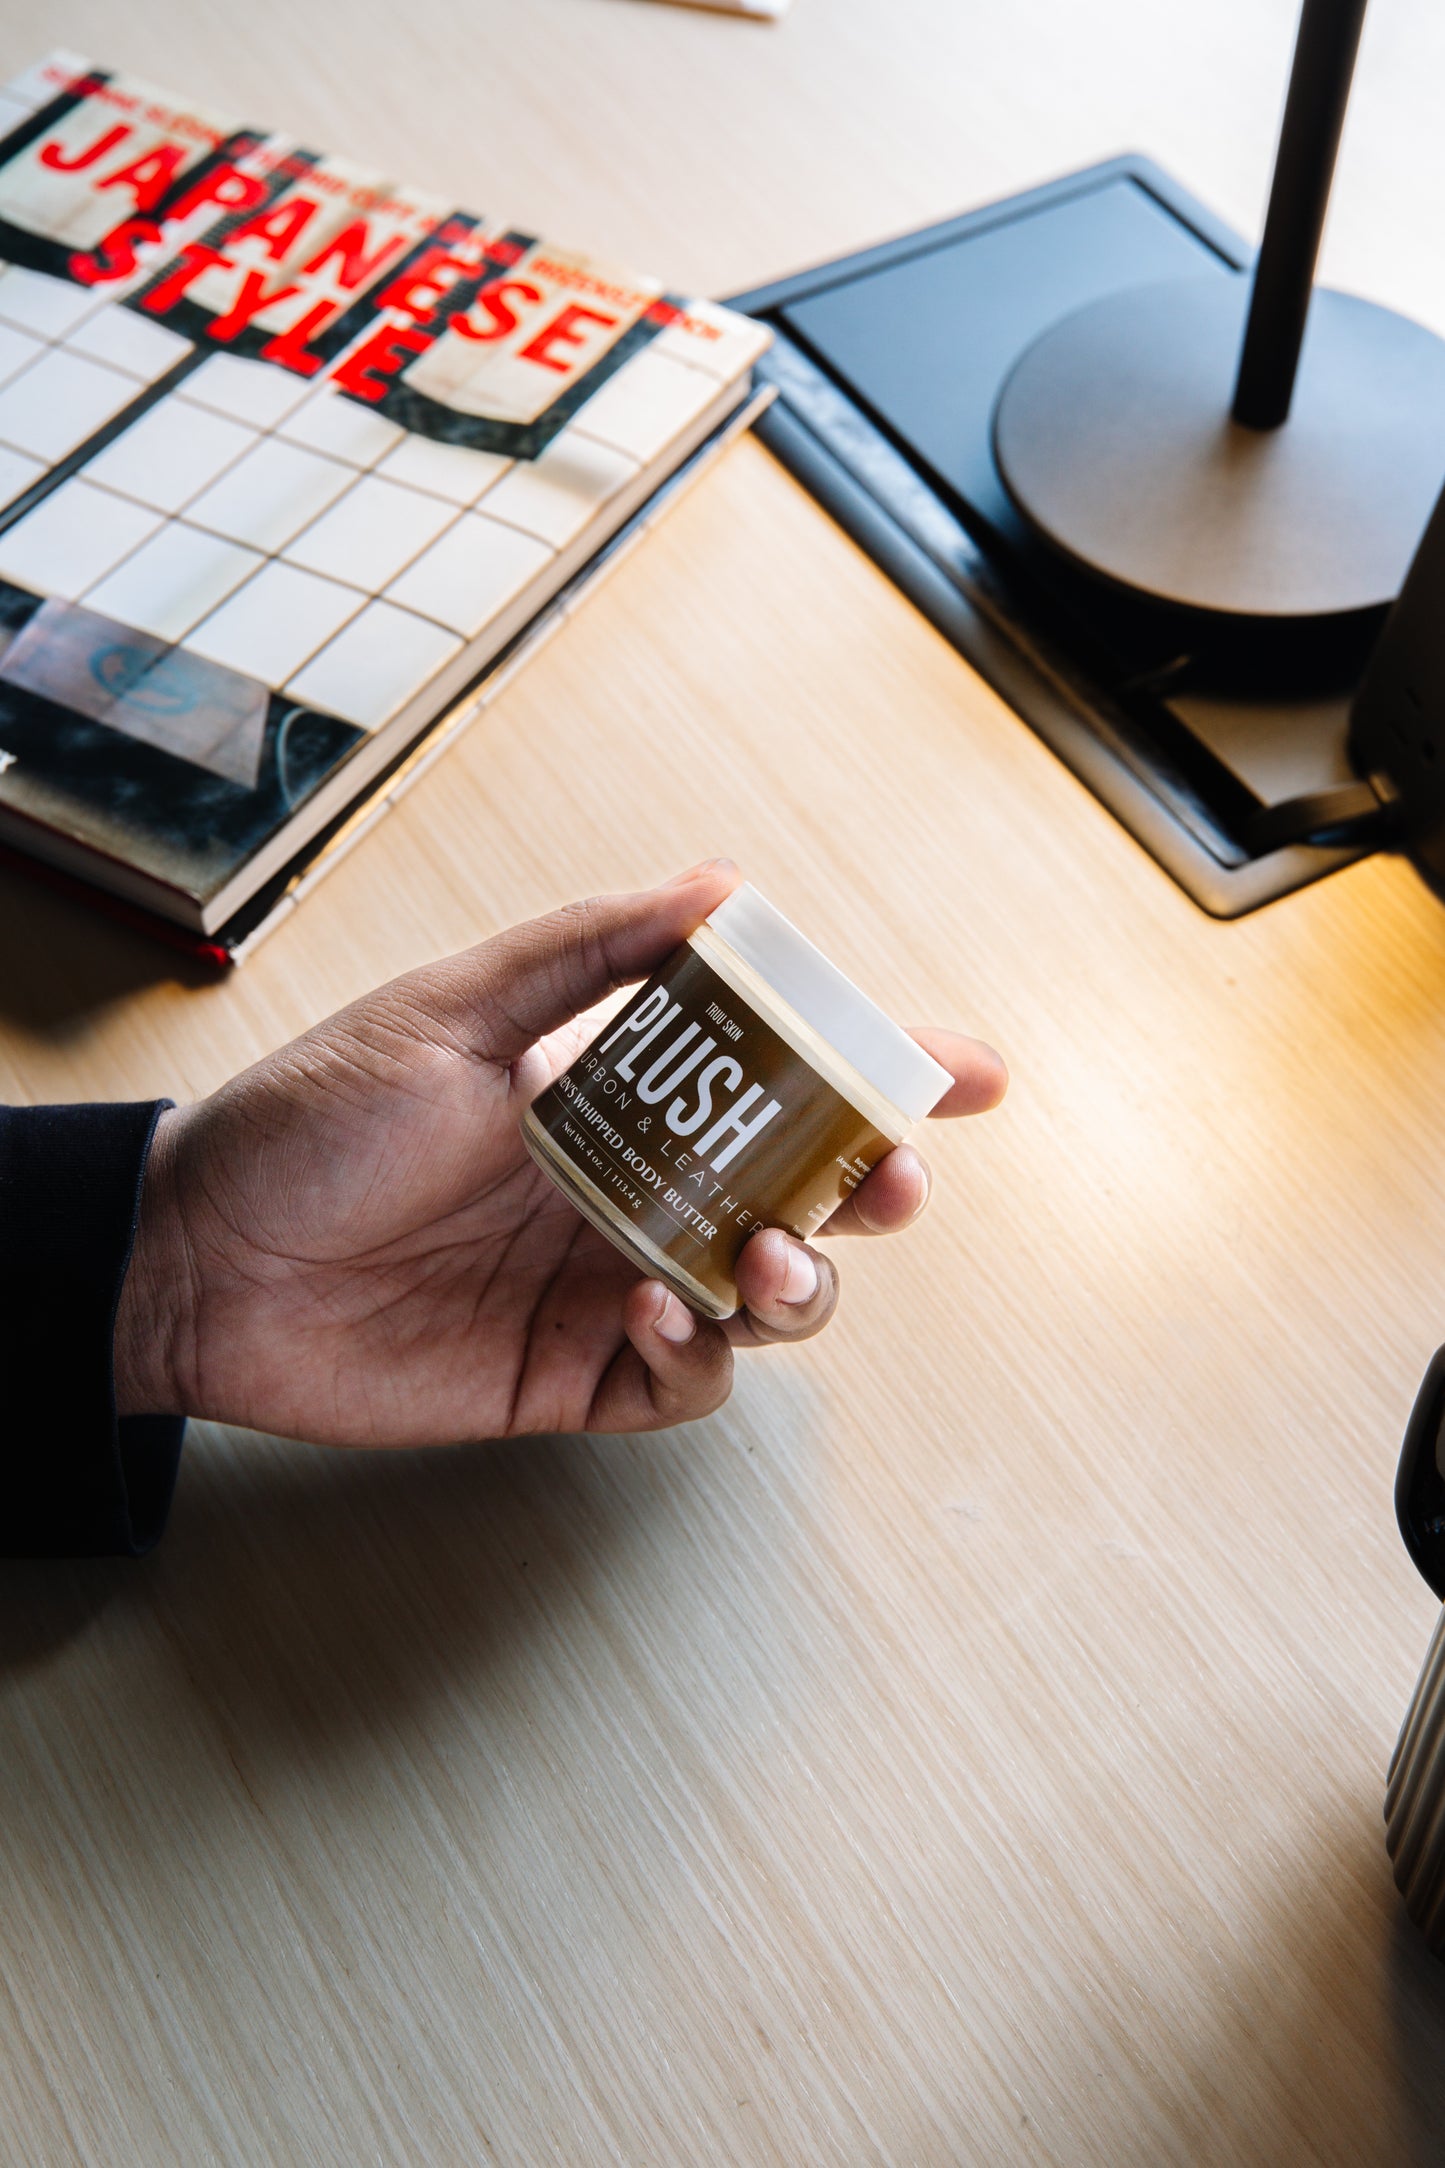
74	1480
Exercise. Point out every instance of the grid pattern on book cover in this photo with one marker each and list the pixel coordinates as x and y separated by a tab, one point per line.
266	522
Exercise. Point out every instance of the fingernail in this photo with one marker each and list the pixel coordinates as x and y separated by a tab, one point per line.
675	1322
927	1172
800	1281
693	873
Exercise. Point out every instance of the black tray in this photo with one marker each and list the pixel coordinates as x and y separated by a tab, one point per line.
887	365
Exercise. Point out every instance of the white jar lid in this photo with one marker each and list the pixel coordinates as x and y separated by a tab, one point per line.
801	974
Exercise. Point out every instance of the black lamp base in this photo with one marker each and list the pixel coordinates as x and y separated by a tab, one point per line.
1112	435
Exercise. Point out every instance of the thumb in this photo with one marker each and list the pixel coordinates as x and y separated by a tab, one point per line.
503	995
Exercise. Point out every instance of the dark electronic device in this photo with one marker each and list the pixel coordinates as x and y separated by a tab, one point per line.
1059	424
1397	726
1420	1484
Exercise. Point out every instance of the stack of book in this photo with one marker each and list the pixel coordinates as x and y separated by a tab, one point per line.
296	463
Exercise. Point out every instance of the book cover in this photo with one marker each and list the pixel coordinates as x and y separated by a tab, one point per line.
286	448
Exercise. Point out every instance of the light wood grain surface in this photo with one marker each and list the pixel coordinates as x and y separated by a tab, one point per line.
969	1746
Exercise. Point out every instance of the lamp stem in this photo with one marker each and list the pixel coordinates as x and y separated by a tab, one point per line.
1309	137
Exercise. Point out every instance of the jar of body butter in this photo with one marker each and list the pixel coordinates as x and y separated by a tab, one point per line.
749	1084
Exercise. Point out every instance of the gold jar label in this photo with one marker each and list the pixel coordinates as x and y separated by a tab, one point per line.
693	1123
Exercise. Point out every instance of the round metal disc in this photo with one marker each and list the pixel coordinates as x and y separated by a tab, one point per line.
1113	437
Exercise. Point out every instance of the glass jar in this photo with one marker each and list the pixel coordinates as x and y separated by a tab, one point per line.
748	1084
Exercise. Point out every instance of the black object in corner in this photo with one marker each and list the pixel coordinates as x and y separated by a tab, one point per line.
1232	771
1420	1485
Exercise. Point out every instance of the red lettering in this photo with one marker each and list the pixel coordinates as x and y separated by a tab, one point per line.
184	272
148	178
349	246
365	369
423	279
562	332
115	256
249	302
53	154
289	347
224	185
502	317
279	227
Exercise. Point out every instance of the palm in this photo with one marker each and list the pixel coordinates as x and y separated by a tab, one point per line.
410	1272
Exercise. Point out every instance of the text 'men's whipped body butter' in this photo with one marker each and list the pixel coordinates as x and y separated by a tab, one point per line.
749	1084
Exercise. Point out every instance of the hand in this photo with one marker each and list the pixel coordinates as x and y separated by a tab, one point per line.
349	1243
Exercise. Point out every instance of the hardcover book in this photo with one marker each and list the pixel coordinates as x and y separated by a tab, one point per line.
290	453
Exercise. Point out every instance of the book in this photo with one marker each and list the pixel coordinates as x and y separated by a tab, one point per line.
269	905
290	455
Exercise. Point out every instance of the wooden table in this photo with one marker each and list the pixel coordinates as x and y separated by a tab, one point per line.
969	1746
